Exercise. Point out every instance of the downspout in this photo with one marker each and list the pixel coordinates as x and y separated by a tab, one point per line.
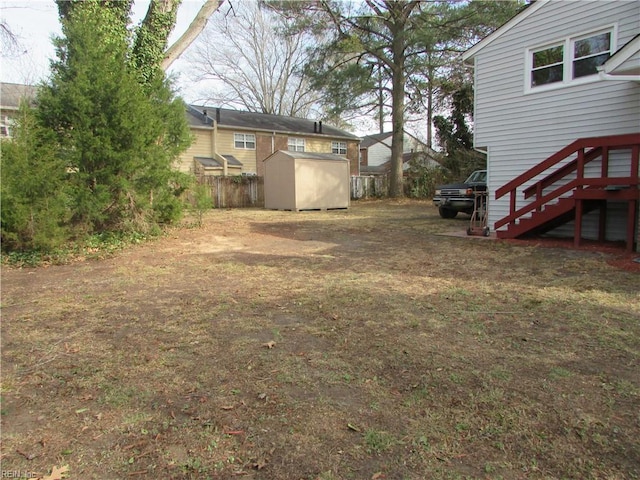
214	139
216	155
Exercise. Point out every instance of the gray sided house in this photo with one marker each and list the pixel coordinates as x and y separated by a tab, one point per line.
11	94
375	153
557	108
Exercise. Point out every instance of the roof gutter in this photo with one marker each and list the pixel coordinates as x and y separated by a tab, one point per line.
620	78
605	75
305	134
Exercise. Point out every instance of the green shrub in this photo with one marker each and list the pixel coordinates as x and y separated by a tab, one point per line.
34	198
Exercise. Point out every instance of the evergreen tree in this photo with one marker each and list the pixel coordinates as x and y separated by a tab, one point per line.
34	202
117	135
455	136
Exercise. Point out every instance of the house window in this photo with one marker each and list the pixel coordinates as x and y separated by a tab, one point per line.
296	144
589	53
569	60
548	66
339	148
245	141
5	126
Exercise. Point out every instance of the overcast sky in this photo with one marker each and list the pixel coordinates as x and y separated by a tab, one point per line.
34	22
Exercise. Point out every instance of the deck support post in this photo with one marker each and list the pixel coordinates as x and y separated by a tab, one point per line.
631	224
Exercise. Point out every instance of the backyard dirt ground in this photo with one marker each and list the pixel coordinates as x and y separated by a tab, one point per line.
346	344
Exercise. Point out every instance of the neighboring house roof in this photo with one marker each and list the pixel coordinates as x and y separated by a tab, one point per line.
212	162
625	61
196	118
519	17
426	159
370	140
205	116
12	93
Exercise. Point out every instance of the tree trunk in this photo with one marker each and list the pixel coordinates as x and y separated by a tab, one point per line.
397	139
151	38
397	111
380	101
196	26
430	112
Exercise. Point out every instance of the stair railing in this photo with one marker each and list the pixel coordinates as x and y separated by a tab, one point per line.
599	147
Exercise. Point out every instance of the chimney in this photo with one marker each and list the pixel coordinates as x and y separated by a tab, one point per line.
217	115
315	127
320	126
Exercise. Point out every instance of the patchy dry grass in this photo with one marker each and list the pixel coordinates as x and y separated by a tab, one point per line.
324	345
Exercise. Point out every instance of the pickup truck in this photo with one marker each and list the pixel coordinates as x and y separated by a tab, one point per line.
459	197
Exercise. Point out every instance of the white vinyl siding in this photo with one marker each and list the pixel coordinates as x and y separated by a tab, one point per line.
522	129
380	152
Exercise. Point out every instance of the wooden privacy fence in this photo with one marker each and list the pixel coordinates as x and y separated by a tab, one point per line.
369	186
235	191
248	191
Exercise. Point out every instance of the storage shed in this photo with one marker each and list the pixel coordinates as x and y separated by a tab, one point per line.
306	181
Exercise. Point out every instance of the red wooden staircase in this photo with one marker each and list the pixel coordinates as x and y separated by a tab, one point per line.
565	193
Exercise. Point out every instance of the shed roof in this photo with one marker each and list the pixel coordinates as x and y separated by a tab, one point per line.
205	116
309	156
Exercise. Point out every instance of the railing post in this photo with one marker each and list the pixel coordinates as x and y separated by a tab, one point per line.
580	164
604	167
539	194
512	206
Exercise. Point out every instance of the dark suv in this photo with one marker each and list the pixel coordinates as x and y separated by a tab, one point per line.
459	197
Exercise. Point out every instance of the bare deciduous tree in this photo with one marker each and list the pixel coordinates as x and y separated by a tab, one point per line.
8	40
195	28
254	64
